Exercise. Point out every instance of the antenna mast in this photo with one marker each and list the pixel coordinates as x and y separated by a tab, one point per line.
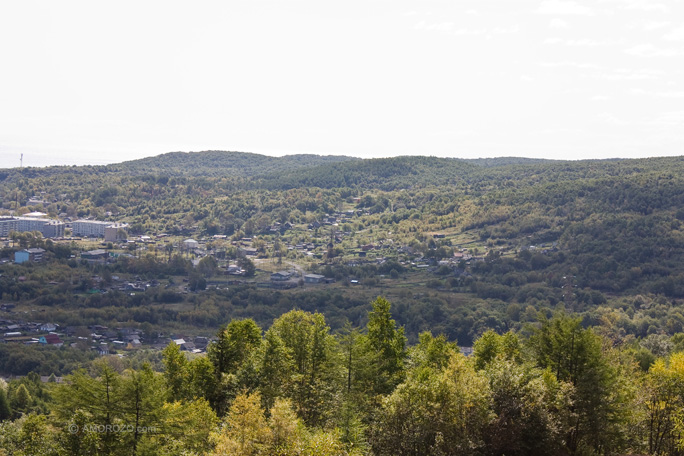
21	161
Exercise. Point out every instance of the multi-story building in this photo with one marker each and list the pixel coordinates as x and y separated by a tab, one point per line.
90	228
54	229
30	255
48	227
96	228
115	232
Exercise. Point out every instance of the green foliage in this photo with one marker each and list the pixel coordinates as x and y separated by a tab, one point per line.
665	405
386	348
174	371
435	412
433	352
310	367
232	356
532	409
246	431
301	390
491	346
574	354
235	343
28	436
5	411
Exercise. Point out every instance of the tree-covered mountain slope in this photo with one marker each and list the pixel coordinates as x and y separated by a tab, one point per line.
215	163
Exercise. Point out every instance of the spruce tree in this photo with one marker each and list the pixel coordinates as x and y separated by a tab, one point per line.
5	412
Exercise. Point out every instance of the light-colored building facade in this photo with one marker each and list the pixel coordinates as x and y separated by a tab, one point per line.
115	232
48	227
89	228
190	244
96	228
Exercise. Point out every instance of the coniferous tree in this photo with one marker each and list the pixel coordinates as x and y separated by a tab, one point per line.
20	399
386	346
574	355
236	344
311	377
245	432
140	399
5	412
174	371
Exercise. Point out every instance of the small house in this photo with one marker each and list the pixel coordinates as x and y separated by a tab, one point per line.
281	276
95	255
190	244
314	278
234	270
51	339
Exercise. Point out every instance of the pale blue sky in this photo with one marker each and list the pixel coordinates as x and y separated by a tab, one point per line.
101	82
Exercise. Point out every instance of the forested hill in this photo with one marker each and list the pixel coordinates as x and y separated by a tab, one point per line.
383	173
308	170
503	161
211	163
478	175
221	163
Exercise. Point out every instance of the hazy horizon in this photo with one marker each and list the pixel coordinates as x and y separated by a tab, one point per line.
102	163
96	83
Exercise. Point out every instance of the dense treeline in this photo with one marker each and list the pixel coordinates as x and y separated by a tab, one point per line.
299	389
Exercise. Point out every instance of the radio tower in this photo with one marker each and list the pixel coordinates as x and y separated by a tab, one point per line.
21	161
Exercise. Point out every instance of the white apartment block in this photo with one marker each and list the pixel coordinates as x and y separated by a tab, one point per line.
94	228
49	228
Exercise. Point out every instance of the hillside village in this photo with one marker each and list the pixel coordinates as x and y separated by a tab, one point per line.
280	256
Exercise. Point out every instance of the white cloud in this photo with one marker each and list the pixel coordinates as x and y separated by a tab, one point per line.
628	74
448	29
599	98
668	120
654	25
444	27
566	63
648	50
466	31
558	24
506	30
676	34
563	7
642	5
526	78
650	93
647	5
582	42
609	118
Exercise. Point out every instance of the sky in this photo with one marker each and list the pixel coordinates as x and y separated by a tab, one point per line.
90	82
